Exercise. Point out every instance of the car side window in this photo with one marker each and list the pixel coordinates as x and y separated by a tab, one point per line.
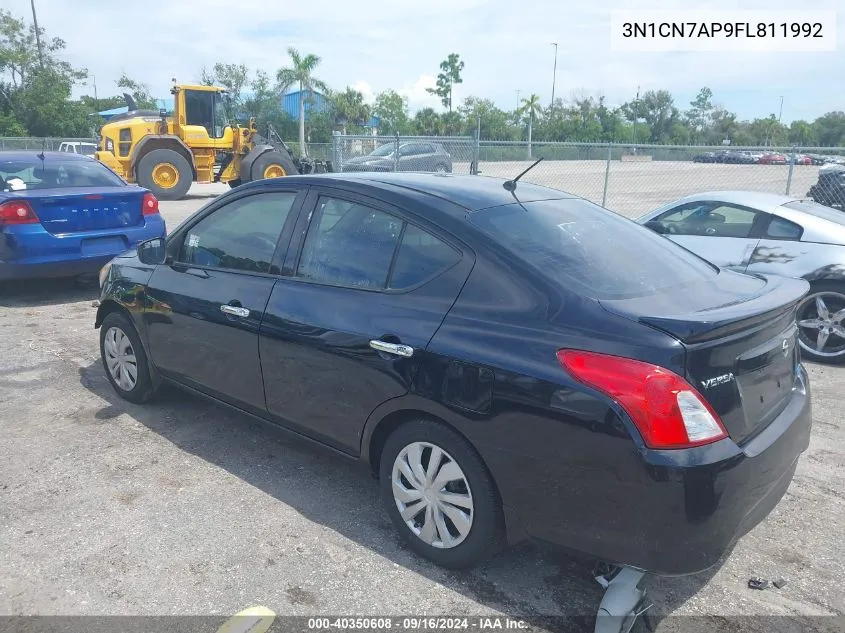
781	229
420	257
241	235
349	244
712	219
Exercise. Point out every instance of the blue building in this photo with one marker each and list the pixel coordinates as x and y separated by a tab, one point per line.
166	104
314	102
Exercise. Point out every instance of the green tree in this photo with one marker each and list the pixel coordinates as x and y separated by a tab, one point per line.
349	108
450	74
301	73
139	91
495	123
830	129
233	78
698	116
35	97
428	123
530	111
391	108
802	133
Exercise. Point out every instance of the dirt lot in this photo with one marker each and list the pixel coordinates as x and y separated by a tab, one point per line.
181	507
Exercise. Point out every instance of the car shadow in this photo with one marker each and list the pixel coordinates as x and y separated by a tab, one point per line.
546	588
33	293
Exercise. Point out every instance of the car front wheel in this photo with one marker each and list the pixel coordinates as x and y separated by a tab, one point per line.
124	359
440	496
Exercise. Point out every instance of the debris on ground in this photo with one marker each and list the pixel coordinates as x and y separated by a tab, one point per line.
758	583
779	583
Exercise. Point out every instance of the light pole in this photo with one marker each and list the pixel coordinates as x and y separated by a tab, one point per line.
554	74
517	99
37	35
781	108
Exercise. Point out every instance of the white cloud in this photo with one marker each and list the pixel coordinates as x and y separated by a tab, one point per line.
418	96
366	90
385	44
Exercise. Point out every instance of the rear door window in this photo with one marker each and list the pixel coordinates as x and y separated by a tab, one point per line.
602	254
349	244
353	245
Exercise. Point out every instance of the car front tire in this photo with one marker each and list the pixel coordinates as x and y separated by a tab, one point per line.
440	495
124	359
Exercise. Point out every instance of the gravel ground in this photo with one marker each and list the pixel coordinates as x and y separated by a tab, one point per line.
181	507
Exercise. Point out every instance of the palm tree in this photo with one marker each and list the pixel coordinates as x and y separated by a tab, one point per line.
350	108
301	72
530	108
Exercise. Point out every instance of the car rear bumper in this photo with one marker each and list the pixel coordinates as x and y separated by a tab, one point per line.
670	512
29	251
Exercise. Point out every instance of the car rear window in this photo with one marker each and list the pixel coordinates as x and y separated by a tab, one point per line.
58	174
818	210
604	255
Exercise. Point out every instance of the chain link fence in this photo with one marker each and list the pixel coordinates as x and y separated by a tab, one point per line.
630	179
633	179
29	142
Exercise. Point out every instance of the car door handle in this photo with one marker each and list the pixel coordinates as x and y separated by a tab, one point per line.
235	311
405	351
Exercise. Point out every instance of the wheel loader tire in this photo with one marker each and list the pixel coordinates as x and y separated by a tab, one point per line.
272	165
166	173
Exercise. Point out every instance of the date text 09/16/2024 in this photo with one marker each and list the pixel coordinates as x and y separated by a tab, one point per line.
420	623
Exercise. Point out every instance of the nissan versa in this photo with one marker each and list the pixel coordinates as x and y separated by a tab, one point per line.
511	361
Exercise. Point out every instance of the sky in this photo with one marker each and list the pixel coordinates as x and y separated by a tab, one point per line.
376	45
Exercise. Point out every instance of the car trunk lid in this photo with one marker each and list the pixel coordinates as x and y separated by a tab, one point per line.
97	208
741	344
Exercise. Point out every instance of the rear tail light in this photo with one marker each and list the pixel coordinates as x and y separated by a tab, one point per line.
665	408
17	212
150	204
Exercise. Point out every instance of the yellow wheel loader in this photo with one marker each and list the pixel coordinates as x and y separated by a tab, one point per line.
197	143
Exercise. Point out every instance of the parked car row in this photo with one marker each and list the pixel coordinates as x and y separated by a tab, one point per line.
748	157
510	361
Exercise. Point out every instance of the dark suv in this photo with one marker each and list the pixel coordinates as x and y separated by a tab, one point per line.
413	156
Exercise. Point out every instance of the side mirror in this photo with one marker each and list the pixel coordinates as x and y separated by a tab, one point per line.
152	252
656	226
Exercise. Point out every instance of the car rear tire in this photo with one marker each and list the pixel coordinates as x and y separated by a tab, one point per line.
272	165
442	168
434	477
166	173
124	359
821	323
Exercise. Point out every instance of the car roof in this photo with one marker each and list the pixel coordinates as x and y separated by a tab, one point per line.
32	156
756	199
473	193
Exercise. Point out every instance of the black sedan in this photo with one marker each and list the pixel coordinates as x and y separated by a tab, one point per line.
509	360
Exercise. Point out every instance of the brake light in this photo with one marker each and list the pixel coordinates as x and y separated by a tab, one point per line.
150	204
17	212
665	408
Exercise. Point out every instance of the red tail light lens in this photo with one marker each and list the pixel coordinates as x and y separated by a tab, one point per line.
665	408
17	212
150	204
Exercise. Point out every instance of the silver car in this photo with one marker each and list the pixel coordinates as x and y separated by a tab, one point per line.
753	232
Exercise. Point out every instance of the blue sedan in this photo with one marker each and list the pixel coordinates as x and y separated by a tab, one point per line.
65	214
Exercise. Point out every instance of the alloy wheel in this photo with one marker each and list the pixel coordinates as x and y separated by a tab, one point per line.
432	495
821	324
120	359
